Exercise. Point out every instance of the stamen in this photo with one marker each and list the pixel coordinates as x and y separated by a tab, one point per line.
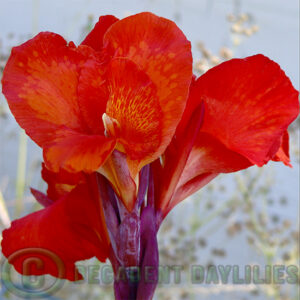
111	126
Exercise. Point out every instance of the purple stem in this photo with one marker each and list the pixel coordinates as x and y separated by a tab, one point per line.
149	257
134	249
111	213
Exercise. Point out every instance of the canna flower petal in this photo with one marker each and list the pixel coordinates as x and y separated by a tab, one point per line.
65	91
92	90
40	84
247	113
108	94
66	229
77	152
95	38
175	157
123	95
134	104
160	49
93	93
61	183
249	105
283	152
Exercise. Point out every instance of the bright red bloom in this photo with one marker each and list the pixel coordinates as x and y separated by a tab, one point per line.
127	134
59	93
124	88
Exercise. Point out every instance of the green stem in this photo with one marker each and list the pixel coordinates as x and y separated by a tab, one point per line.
21	173
4	216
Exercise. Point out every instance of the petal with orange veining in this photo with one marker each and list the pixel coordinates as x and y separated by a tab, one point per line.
76	152
134	105
160	49
40	84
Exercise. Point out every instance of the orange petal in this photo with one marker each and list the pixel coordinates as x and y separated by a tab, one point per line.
40	83
160	49
283	152
134	105
61	183
76	152
93	93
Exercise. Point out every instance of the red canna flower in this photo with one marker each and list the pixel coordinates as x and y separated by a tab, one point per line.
127	133
123	88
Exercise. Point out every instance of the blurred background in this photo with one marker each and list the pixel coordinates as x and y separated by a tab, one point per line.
247	218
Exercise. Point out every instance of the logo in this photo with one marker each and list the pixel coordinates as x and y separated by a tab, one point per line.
33	286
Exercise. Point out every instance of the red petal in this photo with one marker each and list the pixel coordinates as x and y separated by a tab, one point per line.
40	83
175	157
93	94
249	105
133	103
61	183
188	189
246	115
211	156
95	38
66	230
207	159
76	152
159	48
283	152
